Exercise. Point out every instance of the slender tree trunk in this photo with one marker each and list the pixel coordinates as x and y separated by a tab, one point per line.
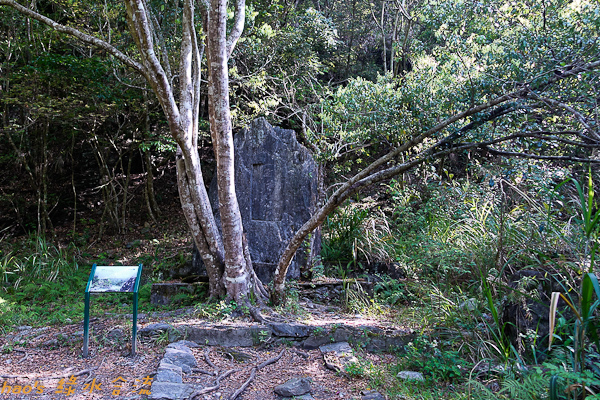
126	185
236	279
153	209
382	24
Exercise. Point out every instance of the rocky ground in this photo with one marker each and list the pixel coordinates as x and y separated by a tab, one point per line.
214	360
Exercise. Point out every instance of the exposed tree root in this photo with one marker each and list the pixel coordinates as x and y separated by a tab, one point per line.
256	314
207	359
300	353
68	374
65	374
253	373
244	386
215	386
271	360
203	371
258	288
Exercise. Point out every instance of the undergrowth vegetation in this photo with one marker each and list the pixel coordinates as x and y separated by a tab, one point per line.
494	272
43	284
473	265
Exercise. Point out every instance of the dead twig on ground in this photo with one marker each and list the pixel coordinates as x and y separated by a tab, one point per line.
65	374
24	357
14	376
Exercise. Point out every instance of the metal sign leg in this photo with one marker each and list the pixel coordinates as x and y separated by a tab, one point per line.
86	325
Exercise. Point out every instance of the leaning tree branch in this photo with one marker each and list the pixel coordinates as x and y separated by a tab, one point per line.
338	196
353	185
577	114
540	157
556	75
238	26
84	37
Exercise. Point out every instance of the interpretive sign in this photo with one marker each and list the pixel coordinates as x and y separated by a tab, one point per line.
112	279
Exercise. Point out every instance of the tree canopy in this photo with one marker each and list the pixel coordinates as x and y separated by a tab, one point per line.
373	89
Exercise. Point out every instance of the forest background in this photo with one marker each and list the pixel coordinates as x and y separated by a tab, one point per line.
469	118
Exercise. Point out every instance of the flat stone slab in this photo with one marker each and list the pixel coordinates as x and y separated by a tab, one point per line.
153	328
276	183
226	335
338	355
291	329
411	376
181	358
169	373
170	391
184	343
293	387
371	395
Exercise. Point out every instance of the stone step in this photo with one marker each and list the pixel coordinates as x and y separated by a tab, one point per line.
370	338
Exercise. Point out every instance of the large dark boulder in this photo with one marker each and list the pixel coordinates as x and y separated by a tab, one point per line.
276	182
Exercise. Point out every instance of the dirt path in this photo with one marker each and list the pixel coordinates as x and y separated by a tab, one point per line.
48	360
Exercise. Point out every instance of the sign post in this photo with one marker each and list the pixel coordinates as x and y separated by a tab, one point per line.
112	279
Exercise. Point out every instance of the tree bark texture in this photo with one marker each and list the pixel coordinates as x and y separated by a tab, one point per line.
236	278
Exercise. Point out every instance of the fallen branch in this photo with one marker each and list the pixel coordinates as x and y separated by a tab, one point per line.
244	386
14	376
215	386
24	357
65	374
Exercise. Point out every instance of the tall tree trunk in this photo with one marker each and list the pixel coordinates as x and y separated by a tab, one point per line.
236	278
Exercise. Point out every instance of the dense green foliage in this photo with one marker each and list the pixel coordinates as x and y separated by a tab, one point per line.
453	245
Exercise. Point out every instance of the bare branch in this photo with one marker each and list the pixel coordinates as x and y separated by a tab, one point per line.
577	114
541	157
238	26
140	26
